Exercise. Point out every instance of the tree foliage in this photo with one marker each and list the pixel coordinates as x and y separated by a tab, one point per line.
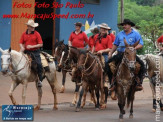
149	19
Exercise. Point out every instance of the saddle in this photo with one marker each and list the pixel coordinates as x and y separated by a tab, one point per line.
45	60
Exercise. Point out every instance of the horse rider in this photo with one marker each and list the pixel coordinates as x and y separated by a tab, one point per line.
103	42
30	43
78	38
131	37
160	41
91	38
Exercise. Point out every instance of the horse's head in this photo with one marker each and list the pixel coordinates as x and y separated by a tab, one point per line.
60	52
5	60
130	55
83	57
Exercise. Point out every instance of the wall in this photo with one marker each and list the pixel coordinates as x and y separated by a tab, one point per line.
5	24
106	11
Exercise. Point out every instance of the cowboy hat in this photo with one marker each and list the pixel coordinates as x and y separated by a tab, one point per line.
95	30
127	21
78	24
105	26
32	23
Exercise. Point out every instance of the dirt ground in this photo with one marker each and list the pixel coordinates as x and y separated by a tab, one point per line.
65	113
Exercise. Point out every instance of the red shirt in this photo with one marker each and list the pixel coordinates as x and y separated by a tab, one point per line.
31	39
160	39
91	42
112	37
106	42
78	40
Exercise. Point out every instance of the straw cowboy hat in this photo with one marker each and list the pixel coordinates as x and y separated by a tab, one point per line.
95	31
126	21
78	24
105	26
32	23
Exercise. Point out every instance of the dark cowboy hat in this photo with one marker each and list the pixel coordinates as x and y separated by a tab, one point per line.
126	21
78	24
95	31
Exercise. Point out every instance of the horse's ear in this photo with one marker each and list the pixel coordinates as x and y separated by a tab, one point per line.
1	50
136	43
62	41
9	50
126	44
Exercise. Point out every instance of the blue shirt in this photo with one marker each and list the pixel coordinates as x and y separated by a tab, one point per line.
131	38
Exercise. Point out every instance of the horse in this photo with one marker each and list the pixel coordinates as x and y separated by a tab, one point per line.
92	77
125	79
58	53
65	55
19	66
151	62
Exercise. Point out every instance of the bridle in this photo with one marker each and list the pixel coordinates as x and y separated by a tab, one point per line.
126	60
10	66
85	70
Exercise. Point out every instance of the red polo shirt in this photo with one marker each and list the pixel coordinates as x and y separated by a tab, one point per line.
106	42
160	39
78	40
91	42
31	39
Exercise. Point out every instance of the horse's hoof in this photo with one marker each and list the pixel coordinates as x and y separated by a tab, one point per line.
113	95
37	108
72	105
123	112
62	90
161	108
153	110
91	104
131	116
121	120
82	106
97	109
77	110
103	106
55	108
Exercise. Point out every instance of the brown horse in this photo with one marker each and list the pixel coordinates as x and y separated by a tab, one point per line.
125	79
65	56
92	77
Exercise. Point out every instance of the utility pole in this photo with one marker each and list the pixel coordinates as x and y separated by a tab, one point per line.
122	11
53	39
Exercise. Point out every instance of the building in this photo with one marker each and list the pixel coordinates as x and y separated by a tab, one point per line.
60	28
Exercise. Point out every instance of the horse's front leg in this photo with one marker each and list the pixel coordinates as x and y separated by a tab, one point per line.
24	93
39	90
75	95
12	88
62	90
84	97
153	93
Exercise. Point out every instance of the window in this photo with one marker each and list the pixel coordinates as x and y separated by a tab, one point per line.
90	1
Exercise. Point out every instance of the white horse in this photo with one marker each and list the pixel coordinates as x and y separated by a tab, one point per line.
19	66
154	65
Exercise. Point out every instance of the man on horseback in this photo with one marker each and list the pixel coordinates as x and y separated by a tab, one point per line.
78	38
131	36
30	43
103	42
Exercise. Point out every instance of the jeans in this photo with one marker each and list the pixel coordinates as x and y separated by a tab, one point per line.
35	55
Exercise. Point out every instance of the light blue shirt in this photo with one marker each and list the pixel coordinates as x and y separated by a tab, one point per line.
131	39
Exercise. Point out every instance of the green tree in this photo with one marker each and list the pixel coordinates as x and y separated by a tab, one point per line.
145	2
150	21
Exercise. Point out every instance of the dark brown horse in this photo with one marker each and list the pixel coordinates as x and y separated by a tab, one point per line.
66	58
92	77
61	55
125	79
